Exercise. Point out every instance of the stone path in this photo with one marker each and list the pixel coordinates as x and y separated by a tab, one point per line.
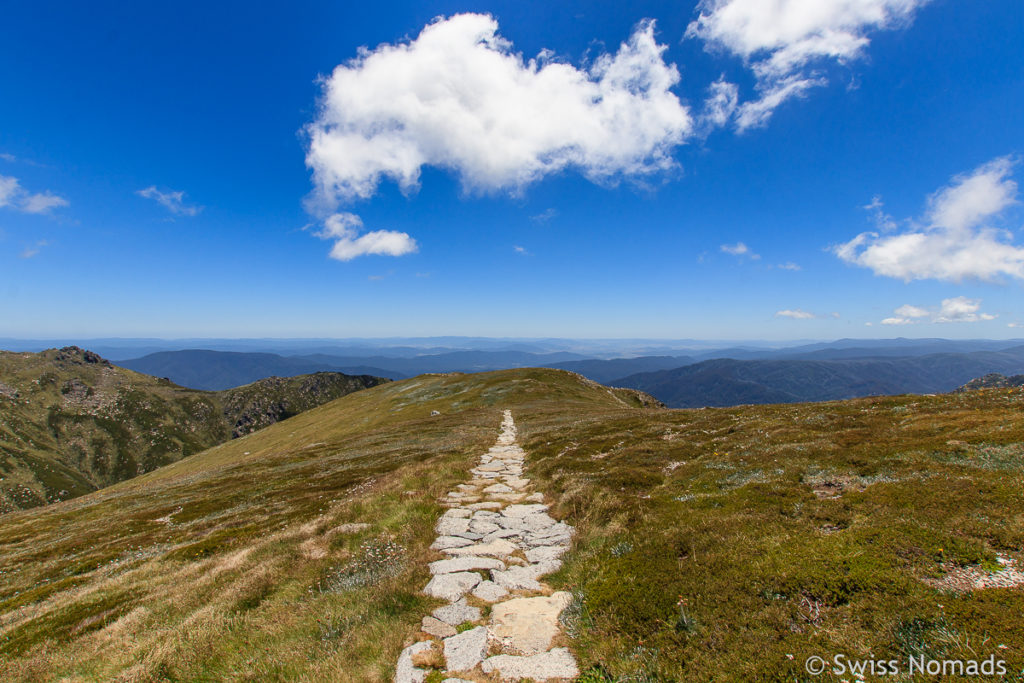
498	542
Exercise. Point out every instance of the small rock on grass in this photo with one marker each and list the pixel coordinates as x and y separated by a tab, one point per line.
405	672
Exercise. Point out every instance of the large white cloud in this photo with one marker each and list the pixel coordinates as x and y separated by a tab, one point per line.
14	196
955	241
783	40
458	97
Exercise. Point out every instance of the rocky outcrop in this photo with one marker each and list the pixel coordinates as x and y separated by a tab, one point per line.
993	380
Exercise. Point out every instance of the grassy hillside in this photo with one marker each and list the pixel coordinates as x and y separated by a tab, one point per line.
725	544
70	422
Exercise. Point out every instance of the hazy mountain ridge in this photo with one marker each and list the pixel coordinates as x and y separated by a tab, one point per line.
72	422
213	370
725	382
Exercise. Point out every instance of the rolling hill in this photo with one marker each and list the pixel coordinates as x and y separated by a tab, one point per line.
71	422
739	540
726	382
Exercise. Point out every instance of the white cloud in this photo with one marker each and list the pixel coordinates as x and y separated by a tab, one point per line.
720	105
1015	324
796	314
739	249
9	190
14	196
544	216
789	265
782	41
520	250
908	311
8	157
343	228
42	202
955	242
29	252
957	309
458	97
960	309
173	201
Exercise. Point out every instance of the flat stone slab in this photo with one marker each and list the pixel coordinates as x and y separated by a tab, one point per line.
436	627
488	591
483	526
456	512
535	498
556	663
442	542
405	672
449	526
526	626
457	613
452	586
464	651
525	578
516	578
496	548
524	510
489	505
545	553
498	488
465	564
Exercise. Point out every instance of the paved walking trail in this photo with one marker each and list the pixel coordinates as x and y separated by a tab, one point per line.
498	541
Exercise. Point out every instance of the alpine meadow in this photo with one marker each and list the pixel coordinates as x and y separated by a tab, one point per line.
504	342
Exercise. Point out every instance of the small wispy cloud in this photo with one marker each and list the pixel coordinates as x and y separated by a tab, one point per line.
1015	324
521	250
796	314
172	200
14	196
788	265
33	250
739	249
8	157
957	309
544	216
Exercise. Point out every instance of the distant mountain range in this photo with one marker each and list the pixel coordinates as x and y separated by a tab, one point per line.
216	370
845	368
727	382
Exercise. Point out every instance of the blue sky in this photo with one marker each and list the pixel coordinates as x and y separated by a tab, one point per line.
161	172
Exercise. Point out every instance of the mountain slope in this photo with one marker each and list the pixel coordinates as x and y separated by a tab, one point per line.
740	540
71	422
726	382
